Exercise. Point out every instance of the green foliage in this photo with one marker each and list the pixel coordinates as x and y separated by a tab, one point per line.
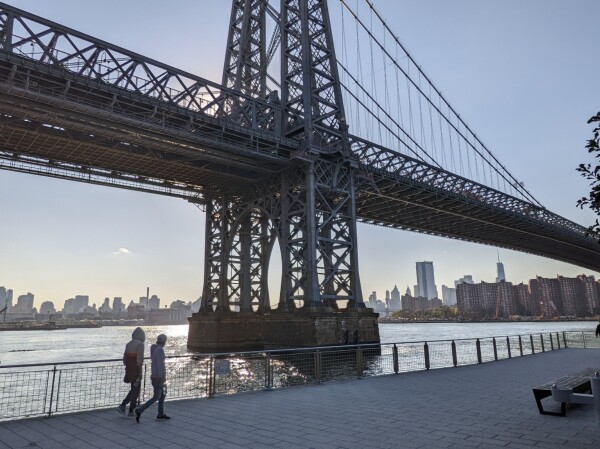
440	313
593	175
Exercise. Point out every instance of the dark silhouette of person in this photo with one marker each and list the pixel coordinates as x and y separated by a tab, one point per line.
598	330
133	359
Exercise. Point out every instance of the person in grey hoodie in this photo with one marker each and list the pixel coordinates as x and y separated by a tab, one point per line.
159	377
133	359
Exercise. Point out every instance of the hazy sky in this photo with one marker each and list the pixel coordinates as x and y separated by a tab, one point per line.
522	73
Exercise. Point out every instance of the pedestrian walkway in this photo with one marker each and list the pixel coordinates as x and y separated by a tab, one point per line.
484	406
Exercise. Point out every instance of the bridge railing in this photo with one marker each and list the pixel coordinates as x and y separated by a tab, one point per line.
47	390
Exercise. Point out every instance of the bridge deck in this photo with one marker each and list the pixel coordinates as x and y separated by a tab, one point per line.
489	405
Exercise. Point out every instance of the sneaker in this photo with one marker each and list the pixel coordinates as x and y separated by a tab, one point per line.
131	414
121	410
162	417
138	413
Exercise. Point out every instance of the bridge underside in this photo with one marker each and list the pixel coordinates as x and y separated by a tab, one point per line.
90	132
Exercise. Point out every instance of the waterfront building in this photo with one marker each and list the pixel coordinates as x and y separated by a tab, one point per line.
525	305
77	305
546	292
590	293
118	307
505	300
24	303
154	303
47	308
449	296
105	309
426	280
143	302
415	303
572	296
476	300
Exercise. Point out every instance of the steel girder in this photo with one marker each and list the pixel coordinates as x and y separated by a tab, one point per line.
41	40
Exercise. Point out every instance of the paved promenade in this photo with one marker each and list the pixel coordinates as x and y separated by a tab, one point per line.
484	406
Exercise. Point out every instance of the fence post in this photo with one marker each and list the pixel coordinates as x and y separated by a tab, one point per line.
551	342
584	342
211	375
565	340
426	354
508	346
318	372
396	365
531	340
359	362
521	346
268	373
52	392
478	346
542	340
454	358
495	348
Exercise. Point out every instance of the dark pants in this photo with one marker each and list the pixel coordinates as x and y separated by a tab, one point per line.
159	395
132	397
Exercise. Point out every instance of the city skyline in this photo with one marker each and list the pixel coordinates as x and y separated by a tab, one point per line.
527	89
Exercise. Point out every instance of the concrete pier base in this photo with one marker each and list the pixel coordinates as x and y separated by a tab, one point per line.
232	332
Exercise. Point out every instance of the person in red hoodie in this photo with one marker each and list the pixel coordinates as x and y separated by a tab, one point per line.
159	377
133	359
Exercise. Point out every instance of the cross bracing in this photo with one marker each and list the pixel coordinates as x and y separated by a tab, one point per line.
271	172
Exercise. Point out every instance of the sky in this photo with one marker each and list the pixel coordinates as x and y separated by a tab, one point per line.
522	74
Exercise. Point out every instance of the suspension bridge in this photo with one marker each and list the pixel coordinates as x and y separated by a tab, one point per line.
298	142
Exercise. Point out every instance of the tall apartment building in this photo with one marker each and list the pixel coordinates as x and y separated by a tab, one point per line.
476	300
572	295
117	306
24	303
525	305
546	292
426	280
505	300
591	293
413	303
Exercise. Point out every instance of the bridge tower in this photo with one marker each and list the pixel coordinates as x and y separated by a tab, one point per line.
308	211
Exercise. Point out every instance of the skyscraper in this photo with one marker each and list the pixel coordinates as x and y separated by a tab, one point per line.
426	280
6	298
500	277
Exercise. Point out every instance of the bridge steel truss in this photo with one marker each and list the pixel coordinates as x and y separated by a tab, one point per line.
271	173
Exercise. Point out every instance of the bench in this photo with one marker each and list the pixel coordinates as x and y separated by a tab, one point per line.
567	389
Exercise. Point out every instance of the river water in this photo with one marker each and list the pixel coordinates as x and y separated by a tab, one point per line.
69	345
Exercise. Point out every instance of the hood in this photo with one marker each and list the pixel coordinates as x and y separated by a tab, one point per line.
138	334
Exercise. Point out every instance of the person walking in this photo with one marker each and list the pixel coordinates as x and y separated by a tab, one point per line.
159	377
133	359
598	330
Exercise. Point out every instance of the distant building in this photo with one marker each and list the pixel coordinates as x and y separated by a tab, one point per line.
449	296
466	279
47	308
24	303
546	292
6	299
590	293
154	303
77	305
500	272
105	307
476	300
395	298
414	304
426	280
118	307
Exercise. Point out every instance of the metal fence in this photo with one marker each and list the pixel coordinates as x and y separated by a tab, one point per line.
47	390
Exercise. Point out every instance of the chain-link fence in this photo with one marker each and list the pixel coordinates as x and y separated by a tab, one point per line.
46	390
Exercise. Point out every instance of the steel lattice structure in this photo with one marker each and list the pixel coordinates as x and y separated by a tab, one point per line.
270	172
